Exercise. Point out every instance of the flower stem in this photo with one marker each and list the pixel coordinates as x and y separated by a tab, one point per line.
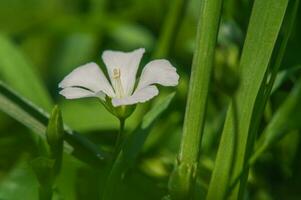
45	193
120	137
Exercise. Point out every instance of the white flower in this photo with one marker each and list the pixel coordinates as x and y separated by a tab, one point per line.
89	80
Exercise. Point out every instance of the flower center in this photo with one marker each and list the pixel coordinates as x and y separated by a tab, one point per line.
117	83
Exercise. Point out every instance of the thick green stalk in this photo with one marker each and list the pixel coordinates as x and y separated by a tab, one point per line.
183	178
263	31
169	29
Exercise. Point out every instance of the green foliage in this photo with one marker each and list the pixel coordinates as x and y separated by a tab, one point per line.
16	71
239	137
279	125
36	119
132	147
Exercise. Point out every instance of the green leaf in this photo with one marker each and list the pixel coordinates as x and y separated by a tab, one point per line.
285	120
133	146
284	75
36	119
263	30
137	139
17	72
275	80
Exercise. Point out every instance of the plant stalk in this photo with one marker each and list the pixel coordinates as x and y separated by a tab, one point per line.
120	137
182	180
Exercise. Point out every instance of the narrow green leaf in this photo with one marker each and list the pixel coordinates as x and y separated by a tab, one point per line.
283	76
197	100
133	146
275	81
263	30
36	119
279	126
17	72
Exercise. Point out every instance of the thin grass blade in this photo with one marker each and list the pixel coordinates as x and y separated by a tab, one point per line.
266	20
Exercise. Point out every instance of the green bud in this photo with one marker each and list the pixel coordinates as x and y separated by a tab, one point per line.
55	137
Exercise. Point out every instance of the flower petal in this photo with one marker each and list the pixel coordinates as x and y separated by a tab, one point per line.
139	96
76	93
88	76
127	63
158	72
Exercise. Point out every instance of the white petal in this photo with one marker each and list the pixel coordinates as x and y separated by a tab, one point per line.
127	62
88	76
139	96
76	93
158	72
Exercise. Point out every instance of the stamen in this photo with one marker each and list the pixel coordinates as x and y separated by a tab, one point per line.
117	83
116	73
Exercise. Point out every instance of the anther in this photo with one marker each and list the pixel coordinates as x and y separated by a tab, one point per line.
116	73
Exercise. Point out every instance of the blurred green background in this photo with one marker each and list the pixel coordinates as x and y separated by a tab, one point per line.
41	41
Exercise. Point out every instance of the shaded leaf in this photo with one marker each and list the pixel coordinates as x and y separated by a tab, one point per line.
36	119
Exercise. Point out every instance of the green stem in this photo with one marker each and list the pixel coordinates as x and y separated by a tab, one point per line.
182	179
116	165
120	138
45	193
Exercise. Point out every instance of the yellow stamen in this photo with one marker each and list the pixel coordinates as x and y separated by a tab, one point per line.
116	73
117	83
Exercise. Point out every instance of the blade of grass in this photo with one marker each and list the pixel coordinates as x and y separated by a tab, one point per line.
267	90
283	76
266	20
36	119
182	179
133	145
280	125
277	128
17	72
